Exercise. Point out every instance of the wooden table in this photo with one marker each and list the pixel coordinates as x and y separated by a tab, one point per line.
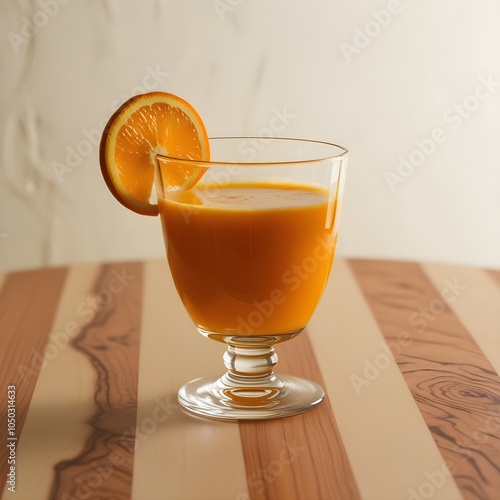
409	355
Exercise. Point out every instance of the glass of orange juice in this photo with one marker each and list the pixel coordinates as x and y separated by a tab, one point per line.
250	248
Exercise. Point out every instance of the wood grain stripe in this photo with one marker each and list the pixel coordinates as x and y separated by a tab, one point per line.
28	301
110	342
301	456
386	438
455	387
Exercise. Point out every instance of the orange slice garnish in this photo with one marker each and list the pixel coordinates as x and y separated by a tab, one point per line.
145	125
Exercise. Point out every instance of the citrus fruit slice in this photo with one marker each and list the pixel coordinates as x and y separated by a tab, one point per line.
147	124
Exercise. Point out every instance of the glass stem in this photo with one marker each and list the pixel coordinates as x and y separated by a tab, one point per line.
250	366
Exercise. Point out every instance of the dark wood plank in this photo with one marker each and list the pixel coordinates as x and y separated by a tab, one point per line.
110	341
495	274
300	457
28	304
455	387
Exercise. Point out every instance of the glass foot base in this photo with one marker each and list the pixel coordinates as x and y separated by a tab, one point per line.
221	398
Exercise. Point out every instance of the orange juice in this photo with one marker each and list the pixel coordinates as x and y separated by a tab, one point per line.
249	259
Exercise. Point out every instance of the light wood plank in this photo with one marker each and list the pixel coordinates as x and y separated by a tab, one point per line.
387	441
177	455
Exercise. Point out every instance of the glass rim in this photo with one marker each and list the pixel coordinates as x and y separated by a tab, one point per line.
339	156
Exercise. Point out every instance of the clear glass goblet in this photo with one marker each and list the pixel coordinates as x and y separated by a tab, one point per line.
250	248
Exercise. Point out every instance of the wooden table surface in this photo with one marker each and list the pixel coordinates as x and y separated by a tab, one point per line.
91	358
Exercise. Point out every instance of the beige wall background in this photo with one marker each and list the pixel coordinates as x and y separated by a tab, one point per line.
411	88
